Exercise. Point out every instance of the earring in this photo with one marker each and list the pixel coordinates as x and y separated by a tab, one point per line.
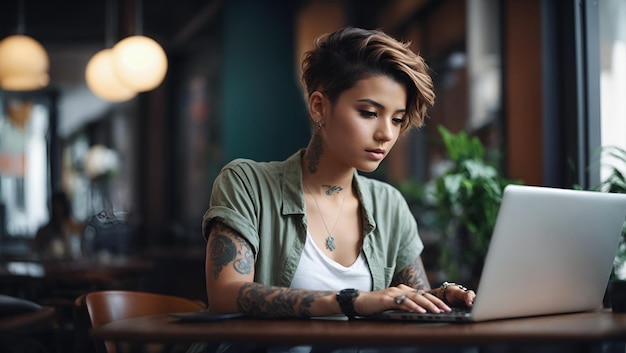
319	124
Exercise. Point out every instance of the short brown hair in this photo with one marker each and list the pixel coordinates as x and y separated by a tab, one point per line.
341	58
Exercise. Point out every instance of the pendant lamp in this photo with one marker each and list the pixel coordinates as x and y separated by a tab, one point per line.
23	60
103	82
139	61
100	74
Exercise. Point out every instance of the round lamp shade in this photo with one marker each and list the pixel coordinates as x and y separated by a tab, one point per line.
140	63
102	81
23	64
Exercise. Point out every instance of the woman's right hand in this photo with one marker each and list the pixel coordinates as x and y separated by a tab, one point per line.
401	297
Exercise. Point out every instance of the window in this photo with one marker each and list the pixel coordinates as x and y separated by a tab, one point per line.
612	33
24	168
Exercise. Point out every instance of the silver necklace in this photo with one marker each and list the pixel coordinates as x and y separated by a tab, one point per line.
330	240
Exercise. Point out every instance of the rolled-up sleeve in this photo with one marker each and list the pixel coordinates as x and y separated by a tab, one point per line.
233	203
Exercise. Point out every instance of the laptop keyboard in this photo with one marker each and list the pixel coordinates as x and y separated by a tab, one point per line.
457	314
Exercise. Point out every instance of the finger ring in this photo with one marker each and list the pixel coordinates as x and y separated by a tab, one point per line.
399	300
421	292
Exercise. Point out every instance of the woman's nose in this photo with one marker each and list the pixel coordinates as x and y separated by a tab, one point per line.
384	131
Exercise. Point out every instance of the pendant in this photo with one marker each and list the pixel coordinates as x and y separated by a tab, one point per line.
330	243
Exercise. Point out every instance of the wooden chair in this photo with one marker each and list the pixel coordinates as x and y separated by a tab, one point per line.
98	308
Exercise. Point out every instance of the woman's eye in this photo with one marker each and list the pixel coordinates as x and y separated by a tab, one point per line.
368	114
399	121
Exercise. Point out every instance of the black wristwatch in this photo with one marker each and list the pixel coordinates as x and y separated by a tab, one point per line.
345	298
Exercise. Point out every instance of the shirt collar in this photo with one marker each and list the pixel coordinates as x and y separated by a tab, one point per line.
291	176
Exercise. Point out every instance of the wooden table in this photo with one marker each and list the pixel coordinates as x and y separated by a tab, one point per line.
92	274
27	323
99	271
591	327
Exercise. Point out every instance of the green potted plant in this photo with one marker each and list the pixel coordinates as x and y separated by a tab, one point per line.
465	198
616	182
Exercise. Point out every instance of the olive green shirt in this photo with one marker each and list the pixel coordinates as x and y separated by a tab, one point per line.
263	201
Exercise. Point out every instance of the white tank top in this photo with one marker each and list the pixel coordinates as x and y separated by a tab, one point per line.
317	271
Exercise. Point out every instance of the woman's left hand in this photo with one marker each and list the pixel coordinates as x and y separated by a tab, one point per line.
458	296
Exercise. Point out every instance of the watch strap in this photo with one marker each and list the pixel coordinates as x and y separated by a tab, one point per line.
345	298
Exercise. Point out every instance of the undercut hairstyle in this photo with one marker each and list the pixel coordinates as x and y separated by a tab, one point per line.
342	58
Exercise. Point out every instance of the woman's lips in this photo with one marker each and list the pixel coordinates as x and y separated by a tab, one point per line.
376	154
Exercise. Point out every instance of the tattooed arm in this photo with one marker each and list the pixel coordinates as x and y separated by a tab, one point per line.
231	287
414	276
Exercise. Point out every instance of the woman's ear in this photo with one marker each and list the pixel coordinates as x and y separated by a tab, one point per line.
317	102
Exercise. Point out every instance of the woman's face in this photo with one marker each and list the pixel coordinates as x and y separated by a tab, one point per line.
365	122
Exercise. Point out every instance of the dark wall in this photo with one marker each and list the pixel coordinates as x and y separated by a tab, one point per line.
523	99
263	114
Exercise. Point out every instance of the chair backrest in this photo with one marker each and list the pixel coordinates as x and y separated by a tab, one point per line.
110	305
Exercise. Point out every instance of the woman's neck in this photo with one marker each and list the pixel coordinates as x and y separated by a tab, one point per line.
325	177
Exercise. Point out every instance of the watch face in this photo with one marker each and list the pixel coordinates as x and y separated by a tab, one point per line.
348	294
352	293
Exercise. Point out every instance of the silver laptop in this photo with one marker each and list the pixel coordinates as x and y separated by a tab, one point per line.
551	252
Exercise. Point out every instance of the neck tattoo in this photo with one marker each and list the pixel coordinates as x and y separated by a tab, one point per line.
331	188
330	240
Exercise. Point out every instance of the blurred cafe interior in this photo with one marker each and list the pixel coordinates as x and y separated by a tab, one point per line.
541	84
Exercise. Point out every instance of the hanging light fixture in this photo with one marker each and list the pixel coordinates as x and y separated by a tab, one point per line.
100	74
103	82
139	61
23	60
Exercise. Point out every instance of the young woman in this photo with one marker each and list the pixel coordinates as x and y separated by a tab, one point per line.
309	236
